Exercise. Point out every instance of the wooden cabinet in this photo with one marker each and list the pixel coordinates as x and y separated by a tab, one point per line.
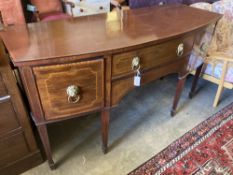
12	12
18	148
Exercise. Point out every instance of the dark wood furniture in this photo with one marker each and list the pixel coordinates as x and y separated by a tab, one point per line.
74	67
12	12
18	148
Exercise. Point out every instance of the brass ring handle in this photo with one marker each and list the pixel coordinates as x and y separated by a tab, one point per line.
180	49
136	63
73	93
73	99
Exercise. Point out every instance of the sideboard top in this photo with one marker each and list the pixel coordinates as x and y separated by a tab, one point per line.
103	33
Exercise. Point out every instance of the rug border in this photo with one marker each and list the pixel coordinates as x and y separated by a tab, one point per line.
214	119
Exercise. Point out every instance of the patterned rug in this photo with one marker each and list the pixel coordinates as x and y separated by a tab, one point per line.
205	150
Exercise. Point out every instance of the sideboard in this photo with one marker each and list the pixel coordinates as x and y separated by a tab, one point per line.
73	67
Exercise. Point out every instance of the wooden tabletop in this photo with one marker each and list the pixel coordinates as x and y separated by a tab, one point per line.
103	33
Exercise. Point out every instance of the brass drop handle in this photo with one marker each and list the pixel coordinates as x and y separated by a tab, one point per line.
180	49
136	63
73	93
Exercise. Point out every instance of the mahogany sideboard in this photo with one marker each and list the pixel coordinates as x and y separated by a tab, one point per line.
73	67
18	148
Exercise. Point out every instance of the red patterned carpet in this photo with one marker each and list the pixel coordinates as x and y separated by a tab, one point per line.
205	150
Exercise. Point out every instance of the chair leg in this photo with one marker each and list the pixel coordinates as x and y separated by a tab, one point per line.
221	84
195	81
218	95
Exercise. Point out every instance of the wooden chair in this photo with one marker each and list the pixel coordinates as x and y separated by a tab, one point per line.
218	60
47	10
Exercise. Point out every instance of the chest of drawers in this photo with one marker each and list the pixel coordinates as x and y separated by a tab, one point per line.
89	7
91	64
18	148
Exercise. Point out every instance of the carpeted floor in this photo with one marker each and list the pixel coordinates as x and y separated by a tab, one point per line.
140	127
207	149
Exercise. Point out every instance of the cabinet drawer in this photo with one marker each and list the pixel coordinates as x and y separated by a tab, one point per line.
3	91
12	149
8	120
54	82
151	56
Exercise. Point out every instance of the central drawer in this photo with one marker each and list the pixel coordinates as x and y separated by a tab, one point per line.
70	89
152	56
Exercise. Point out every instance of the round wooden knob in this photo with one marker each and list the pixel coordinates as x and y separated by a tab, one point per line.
101	8
81	10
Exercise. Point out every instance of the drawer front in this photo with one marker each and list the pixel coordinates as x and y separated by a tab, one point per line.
89	7
3	91
57	81
12	148
151	56
8	119
122	86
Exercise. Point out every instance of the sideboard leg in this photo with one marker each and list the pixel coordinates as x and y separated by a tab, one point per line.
179	88
45	141
195	81
105	127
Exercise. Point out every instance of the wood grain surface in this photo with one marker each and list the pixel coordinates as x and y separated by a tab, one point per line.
103	33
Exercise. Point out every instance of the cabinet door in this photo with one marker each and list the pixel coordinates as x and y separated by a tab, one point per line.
12	149
8	118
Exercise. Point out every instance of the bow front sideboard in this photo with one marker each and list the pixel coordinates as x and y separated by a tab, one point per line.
73	67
